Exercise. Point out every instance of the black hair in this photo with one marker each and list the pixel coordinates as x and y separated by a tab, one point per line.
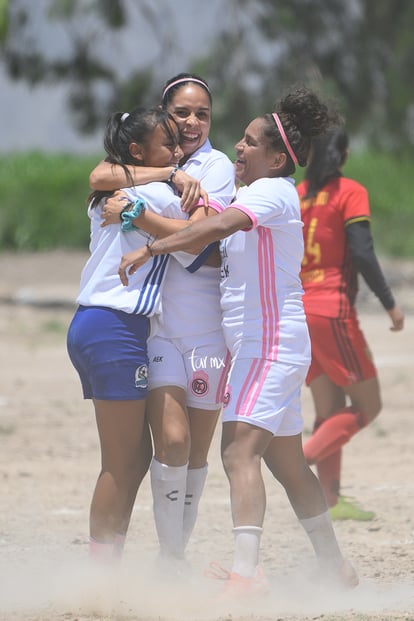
303	116
124	128
328	155
182	79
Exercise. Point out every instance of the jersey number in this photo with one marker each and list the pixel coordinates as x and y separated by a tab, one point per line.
312	248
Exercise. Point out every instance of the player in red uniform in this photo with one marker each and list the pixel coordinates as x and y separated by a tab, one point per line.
342	376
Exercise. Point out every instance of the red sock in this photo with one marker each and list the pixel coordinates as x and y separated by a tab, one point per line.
332	434
329	475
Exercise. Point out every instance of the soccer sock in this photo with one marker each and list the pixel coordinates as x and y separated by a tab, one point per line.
168	484
329	475
196	478
332	434
100	552
119	543
246	550
322	536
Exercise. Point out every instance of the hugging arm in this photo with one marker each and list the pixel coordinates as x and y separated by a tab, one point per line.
107	176
191	238
148	221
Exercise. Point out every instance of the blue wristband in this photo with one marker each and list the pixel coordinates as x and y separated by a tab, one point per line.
128	216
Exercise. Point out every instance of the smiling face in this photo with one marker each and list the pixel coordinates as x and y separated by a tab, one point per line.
161	149
191	109
254	158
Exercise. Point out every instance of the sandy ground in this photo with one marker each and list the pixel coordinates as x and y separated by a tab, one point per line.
49	461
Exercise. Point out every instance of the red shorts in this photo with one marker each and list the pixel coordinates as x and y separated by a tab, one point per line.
339	350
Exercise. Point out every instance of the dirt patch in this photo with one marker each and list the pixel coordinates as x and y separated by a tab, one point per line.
49	460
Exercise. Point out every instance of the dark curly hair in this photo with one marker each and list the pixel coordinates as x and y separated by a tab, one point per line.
303	116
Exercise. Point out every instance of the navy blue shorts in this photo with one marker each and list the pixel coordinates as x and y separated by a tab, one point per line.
108	348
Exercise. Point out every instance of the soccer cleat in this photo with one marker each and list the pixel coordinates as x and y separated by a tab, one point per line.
237	586
347	509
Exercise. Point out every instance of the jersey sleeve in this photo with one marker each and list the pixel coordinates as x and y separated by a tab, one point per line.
265	200
159	198
355	203
361	246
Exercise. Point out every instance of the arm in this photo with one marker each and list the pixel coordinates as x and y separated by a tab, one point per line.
361	246
107	176
160	226
194	235
148	221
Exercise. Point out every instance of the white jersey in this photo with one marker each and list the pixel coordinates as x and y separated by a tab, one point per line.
261	291
100	284
191	301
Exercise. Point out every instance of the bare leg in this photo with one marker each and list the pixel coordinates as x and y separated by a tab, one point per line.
126	453
243	446
284	458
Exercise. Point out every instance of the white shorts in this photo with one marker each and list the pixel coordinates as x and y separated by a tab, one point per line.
266	394
197	364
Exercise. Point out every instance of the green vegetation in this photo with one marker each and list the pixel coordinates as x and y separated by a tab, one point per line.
43	200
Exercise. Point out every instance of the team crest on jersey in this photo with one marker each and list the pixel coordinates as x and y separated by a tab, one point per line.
199	383
226	396
141	376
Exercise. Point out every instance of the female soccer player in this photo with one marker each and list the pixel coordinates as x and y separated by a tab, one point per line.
107	338
266	332
187	354
338	244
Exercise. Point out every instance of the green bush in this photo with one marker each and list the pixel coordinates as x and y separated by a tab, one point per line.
43	200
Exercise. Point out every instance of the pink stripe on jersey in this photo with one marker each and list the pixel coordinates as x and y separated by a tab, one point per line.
252	387
223	379
249	213
268	294
213	204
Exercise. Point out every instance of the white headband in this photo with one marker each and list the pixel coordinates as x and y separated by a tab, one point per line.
181	80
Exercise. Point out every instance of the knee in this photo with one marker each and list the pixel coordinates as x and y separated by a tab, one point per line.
174	449
367	415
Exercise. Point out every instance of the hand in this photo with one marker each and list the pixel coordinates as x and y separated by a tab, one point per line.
132	260
190	190
112	209
397	318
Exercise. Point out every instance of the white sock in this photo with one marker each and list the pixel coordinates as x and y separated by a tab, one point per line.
322	536
168	484
119	544
196	478
246	552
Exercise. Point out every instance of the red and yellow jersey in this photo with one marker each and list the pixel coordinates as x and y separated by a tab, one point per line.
328	277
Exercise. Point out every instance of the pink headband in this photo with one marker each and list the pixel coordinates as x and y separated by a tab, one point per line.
180	81
284	137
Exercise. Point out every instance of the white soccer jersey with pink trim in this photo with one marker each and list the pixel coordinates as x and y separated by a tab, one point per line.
261	291
191	301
